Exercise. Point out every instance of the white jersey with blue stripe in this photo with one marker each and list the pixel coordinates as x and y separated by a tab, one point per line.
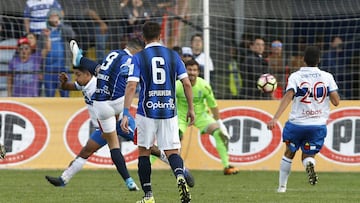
311	104
157	68
87	91
112	76
37	12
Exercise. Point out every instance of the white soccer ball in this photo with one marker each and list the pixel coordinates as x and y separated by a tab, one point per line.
266	83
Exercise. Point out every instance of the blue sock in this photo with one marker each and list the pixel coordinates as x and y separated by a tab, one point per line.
119	162
144	172
177	164
89	64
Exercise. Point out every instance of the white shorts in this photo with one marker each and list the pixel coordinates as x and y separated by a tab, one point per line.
107	113
164	132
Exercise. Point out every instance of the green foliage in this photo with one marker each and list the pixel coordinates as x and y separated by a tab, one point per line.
210	187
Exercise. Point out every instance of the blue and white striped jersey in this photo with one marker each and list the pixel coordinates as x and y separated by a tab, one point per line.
157	68
111	79
37	12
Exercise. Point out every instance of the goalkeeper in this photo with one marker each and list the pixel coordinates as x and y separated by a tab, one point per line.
204	121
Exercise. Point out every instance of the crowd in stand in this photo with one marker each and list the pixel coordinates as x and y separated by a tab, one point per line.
255	55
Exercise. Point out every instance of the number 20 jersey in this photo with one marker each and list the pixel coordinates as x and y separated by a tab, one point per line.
311	104
157	68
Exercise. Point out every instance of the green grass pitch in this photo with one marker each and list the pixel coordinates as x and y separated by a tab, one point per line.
210	187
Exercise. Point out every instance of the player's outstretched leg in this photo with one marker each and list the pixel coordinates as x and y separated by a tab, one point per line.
185	196
313	178
76	52
56	181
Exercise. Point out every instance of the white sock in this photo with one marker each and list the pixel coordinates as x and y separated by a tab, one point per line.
307	160
75	167
163	157
285	167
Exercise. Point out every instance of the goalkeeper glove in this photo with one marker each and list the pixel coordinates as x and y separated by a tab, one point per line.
223	129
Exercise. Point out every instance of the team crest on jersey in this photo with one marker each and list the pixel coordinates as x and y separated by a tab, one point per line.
250	141
24	132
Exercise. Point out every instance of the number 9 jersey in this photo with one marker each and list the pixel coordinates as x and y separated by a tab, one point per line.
311	102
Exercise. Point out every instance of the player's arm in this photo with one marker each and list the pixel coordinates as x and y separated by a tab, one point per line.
64	82
334	98
129	96
285	101
189	96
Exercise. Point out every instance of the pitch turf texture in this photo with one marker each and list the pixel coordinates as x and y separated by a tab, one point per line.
210	186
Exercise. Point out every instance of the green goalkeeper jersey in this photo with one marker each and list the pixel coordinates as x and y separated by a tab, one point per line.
203	98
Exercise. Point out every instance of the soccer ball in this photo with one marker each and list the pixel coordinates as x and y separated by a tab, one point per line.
266	83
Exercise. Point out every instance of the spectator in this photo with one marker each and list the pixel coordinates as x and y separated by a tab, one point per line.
178	49
277	67
137	14
334	61
35	14
23	80
55	43
160	8
91	26
254	66
197	45
186	54
35	50
117	22
297	59
355	74
235	79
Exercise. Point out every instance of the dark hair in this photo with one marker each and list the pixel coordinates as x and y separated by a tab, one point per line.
196	35
312	56
178	50
136	43
151	30
192	62
82	69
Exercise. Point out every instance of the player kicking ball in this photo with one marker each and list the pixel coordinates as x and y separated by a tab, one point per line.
86	82
311	90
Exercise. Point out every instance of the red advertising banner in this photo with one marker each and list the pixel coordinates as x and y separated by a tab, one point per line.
47	133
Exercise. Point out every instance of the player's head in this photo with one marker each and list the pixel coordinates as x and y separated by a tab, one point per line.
82	75
135	45
312	56
193	69
151	32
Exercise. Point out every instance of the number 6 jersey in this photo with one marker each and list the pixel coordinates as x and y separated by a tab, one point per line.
311	103
157	68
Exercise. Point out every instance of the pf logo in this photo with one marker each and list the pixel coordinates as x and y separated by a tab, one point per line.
77	132
250	141
24	132
342	143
